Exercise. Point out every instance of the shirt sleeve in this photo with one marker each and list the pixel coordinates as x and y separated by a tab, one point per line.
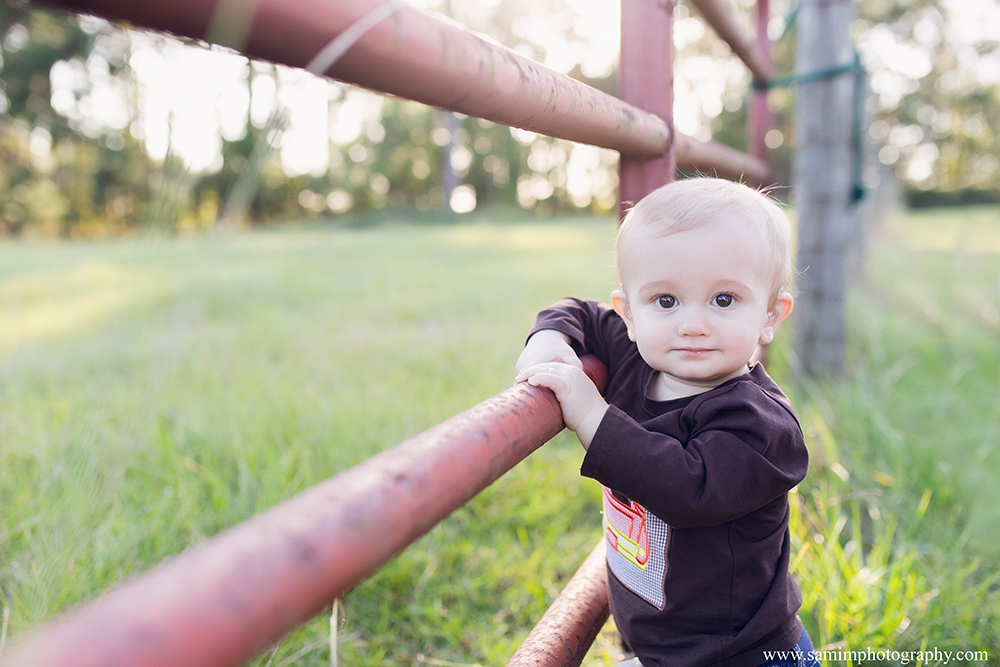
589	324
743	451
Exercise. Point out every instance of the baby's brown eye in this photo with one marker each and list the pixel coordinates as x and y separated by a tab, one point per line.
666	301
723	300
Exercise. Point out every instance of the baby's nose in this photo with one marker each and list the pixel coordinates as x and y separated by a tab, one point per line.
693	323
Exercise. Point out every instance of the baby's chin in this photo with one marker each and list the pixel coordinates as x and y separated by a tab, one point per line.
694	383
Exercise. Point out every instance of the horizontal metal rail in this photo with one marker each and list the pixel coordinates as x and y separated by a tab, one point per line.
224	601
711	156
720	16
569	627
411	54
418	56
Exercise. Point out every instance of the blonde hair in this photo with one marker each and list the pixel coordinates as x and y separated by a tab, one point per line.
690	203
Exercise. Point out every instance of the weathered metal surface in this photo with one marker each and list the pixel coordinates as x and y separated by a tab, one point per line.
714	158
719	15
411	54
646	79
227	599
569	627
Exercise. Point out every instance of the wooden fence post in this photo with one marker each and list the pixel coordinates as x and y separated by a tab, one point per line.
822	182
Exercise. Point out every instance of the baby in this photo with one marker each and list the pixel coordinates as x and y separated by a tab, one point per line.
695	447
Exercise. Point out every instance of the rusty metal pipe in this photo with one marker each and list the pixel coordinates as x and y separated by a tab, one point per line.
719	15
411	54
718	159
224	601
569	627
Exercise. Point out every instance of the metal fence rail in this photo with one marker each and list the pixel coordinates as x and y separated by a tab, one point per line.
569	627
418	56
755	52
411	54
720	16
222	602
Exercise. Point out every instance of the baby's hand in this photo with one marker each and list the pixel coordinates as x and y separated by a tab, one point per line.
547	345
583	407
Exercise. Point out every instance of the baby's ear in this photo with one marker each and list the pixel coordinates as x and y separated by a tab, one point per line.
781	309
621	305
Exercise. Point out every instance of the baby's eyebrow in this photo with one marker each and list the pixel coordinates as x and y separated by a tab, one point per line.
660	286
656	286
733	285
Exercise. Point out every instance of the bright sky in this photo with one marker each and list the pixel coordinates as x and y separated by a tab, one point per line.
190	96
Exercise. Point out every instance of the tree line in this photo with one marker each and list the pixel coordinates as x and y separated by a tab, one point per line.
66	175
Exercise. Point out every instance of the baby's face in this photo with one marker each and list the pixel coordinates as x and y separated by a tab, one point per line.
698	300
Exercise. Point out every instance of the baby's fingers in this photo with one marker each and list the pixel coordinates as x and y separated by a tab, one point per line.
528	371
552	368
549	381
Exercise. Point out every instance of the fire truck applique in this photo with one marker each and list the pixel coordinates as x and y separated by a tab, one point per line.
637	547
625	527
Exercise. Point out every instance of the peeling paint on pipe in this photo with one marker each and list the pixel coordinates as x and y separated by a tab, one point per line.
224	601
411	54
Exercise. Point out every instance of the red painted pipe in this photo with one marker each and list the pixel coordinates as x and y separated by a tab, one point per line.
419	57
411	54
718	159
569	627
224	601
646	79
759	112
719	15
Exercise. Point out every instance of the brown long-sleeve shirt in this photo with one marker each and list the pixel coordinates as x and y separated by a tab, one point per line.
695	505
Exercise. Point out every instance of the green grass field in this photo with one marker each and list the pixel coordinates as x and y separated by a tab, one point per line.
154	392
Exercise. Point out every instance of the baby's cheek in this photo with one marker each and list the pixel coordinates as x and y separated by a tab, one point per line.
648	353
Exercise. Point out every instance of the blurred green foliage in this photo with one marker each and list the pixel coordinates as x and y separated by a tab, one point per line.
55	179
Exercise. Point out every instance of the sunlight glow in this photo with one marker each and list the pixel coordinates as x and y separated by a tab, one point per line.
185	92
463	199
87	294
305	97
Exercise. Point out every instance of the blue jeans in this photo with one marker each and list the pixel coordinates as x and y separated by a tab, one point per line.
805	655
804	649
